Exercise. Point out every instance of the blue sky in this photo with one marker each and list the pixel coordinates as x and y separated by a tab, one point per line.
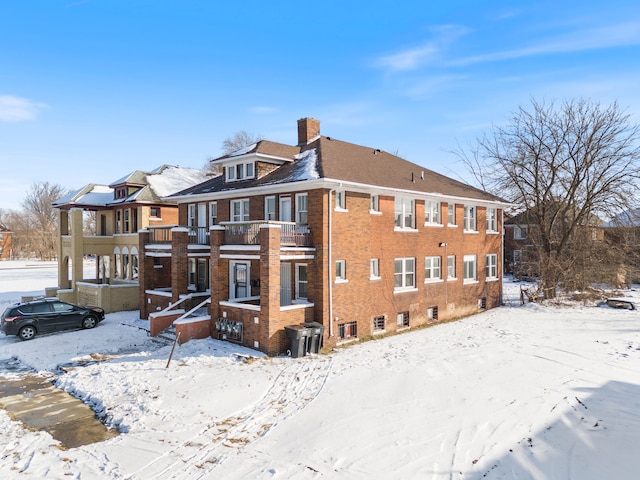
91	90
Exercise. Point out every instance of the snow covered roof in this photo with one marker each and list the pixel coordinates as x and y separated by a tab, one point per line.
628	218
91	195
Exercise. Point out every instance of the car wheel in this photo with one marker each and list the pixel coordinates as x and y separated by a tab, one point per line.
27	332
89	322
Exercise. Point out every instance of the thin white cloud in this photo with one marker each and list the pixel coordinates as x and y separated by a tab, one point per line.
618	35
18	109
415	57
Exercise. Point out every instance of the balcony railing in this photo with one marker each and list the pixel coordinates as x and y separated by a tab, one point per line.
160	235
248	233
237	233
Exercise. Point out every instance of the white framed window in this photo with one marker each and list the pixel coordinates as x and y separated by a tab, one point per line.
374	206
431	213
118	221
341	270
269	208
191	220
492	220
126	221
341	200
374	269
213	213
404	213
302	200
301	281
451	214
470	269
520	232
402	319
517	256
492	266
240	210
404	277
432	269
469	218
240	171
451	267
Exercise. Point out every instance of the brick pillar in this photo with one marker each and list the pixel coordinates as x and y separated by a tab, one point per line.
145	272
269	286
217	274
179	262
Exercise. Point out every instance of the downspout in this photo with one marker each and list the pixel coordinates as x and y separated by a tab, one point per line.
330	262
501	255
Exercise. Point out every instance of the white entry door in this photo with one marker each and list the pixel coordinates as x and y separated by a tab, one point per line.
285	209
285	284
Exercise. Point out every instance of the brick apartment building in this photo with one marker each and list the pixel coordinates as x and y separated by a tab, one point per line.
354	238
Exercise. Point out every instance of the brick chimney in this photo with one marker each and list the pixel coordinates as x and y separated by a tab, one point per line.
308	130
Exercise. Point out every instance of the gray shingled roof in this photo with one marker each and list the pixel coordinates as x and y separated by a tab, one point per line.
347	162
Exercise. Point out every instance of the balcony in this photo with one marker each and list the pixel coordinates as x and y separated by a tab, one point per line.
248	233
237	233
163	235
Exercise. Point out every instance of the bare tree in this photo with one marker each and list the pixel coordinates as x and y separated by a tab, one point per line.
564	165
240	140
39	225
232	144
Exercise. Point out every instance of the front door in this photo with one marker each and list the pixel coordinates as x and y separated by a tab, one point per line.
285	284
239	287
285	209
202	274
202	223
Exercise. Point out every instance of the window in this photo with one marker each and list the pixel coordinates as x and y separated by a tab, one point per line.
191	221
469	268
403	319
301	209
404	273
404	212
379	324
374	268
341	270
492	266
240	171
192	273
482	303
155	212
240	210
126	221
469	218
432	212
348	330
213	213
431	268
118	221
492	220
341	200
375	203
301	281
432	313
451	213
451	266
520	233
517	256
270	208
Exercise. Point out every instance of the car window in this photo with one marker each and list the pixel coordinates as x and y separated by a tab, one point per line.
26	309
62	307
41	308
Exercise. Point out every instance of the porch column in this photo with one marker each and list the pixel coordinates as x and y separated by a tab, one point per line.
77	248
63	265
269	286
179	262
218	274
145	272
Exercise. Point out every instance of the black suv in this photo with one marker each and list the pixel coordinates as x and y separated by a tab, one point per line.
28	319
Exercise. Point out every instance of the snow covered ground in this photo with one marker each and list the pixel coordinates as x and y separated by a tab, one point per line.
519	392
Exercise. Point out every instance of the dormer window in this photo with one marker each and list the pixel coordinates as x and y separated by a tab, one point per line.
240	171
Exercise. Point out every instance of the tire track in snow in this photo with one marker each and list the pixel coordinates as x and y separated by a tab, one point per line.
294	388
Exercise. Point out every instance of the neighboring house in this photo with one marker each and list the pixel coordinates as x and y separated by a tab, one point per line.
354	238
623	234
6	237
119	210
